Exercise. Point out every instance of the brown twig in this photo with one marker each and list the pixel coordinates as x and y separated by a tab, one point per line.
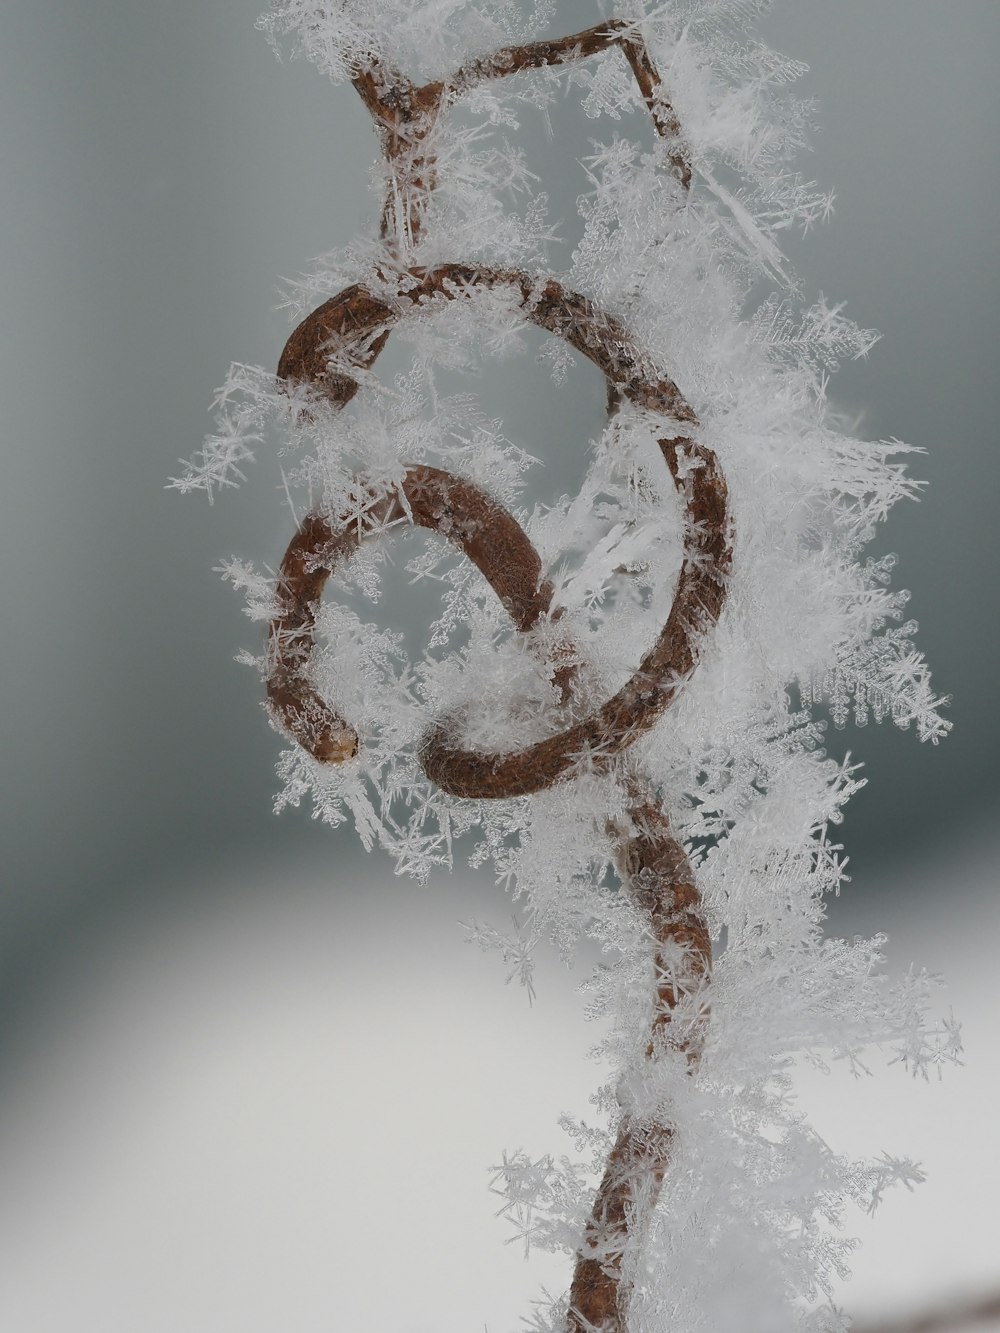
352	329
405	113
327	350
536	55
654	865
580	46
660	882
428	497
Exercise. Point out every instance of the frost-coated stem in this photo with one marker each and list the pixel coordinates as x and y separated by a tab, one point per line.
655	868
603	36
355	326
717	1207
405	113
660	882
349	331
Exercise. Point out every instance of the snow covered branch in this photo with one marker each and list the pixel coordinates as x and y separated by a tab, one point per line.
624	692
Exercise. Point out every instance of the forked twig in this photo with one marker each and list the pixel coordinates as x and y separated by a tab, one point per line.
405	113
349	332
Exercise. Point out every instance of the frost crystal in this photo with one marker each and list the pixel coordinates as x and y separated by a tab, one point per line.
786	623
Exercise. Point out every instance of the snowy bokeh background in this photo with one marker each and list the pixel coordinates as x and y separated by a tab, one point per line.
276	1110
245	1074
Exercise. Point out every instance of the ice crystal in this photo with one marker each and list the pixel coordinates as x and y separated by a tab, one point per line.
746	1235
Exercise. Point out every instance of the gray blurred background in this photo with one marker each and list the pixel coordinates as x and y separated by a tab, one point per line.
162	173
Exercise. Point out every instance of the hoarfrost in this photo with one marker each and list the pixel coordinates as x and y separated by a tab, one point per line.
747	1232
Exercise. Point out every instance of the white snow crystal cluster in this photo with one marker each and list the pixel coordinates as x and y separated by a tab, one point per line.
747	1231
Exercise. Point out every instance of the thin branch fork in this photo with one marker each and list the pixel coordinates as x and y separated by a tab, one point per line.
405	113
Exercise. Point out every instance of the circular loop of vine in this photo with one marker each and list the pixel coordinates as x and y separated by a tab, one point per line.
353	328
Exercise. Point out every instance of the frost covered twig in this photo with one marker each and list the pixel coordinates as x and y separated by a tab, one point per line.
439	501
351	329
656	868
405	113
578	46
633	721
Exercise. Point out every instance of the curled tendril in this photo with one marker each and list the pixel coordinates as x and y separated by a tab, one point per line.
493	541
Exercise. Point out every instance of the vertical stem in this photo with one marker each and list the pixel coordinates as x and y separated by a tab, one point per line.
659	880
